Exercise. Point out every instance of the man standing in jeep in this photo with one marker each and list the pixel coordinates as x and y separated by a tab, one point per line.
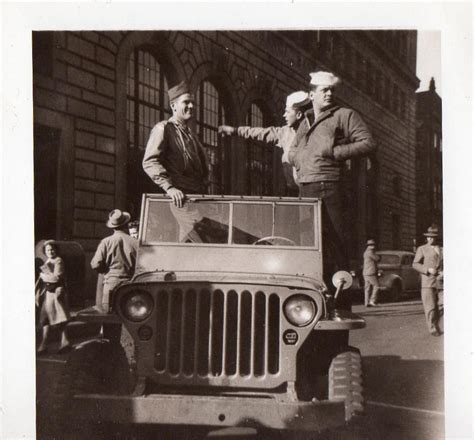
283	137
330	135
175	159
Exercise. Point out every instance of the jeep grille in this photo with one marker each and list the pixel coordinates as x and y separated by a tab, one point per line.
214	333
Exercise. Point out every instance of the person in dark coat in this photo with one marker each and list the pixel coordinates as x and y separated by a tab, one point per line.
51	296
428	262
369	272
329	135
115	256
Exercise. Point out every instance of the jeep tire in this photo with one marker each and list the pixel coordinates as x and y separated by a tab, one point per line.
345	382
97	367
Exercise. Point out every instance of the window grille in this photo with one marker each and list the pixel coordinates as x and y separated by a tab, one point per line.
260	158
210	114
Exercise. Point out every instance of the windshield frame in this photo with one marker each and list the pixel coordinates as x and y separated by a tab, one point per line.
232	202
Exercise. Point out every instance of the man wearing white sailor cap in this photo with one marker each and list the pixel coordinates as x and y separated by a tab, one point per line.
282	137
329	136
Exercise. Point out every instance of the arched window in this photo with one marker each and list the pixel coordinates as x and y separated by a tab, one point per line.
147	104
209	115
260	158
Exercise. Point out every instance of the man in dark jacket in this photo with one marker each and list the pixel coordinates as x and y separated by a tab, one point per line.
428	262
370	272
175	159
330	135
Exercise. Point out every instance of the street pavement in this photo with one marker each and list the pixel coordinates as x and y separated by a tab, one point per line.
403	368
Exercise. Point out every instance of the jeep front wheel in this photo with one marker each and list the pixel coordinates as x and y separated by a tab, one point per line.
97	367
345	382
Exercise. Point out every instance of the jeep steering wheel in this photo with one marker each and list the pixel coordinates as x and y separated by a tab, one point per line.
271	238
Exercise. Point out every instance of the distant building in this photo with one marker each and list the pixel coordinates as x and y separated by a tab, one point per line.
97	95
429	161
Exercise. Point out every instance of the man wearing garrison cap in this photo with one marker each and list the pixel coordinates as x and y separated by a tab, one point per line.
283	137
174	157
329	136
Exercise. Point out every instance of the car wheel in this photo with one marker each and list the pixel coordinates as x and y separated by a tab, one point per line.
98	367
395	292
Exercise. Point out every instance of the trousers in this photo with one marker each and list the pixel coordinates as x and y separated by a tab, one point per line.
429	297
371	288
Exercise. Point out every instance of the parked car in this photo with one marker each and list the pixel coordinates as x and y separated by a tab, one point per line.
396	275
233	325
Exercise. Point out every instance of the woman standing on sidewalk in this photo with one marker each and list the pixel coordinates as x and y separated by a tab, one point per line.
51	297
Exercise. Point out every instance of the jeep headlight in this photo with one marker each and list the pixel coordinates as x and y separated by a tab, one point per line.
137	306
299	310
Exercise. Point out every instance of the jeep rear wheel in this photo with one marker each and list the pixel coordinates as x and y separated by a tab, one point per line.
98	367
345	382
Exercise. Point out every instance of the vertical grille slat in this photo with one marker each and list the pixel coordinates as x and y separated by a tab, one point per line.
183	333
196	332
214	333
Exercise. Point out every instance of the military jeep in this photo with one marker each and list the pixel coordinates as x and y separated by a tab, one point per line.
231	322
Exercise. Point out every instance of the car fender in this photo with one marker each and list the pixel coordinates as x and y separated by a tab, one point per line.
389	280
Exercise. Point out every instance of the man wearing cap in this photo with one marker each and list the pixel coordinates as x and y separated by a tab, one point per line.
369	272
282	137
115	256
174	157
329	136
428	262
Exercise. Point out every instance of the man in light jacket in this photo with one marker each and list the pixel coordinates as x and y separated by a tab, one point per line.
369	272
282	137
429	262
115	256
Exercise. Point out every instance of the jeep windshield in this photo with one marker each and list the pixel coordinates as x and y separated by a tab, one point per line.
231	222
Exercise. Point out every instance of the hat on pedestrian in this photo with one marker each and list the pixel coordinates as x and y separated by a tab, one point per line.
431	232
117	219
370	242
178	90
297	100
324	79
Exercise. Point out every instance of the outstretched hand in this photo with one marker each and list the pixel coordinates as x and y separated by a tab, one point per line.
226	130
177	196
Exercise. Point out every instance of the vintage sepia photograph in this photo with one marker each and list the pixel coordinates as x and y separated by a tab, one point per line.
238	233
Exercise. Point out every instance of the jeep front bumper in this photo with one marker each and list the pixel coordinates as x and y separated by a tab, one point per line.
212	411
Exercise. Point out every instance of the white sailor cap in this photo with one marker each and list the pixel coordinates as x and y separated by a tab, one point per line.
324	79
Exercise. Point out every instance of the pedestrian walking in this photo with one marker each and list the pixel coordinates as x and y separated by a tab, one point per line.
115	256
329	135
370	274
51	297
428	262
175	159
283	137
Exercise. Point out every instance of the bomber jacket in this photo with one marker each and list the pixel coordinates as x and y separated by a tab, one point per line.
174	157
321	146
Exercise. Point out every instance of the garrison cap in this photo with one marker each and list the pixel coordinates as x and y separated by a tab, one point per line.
178	90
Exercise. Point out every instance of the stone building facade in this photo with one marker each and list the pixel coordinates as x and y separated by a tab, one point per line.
429	163
97	95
